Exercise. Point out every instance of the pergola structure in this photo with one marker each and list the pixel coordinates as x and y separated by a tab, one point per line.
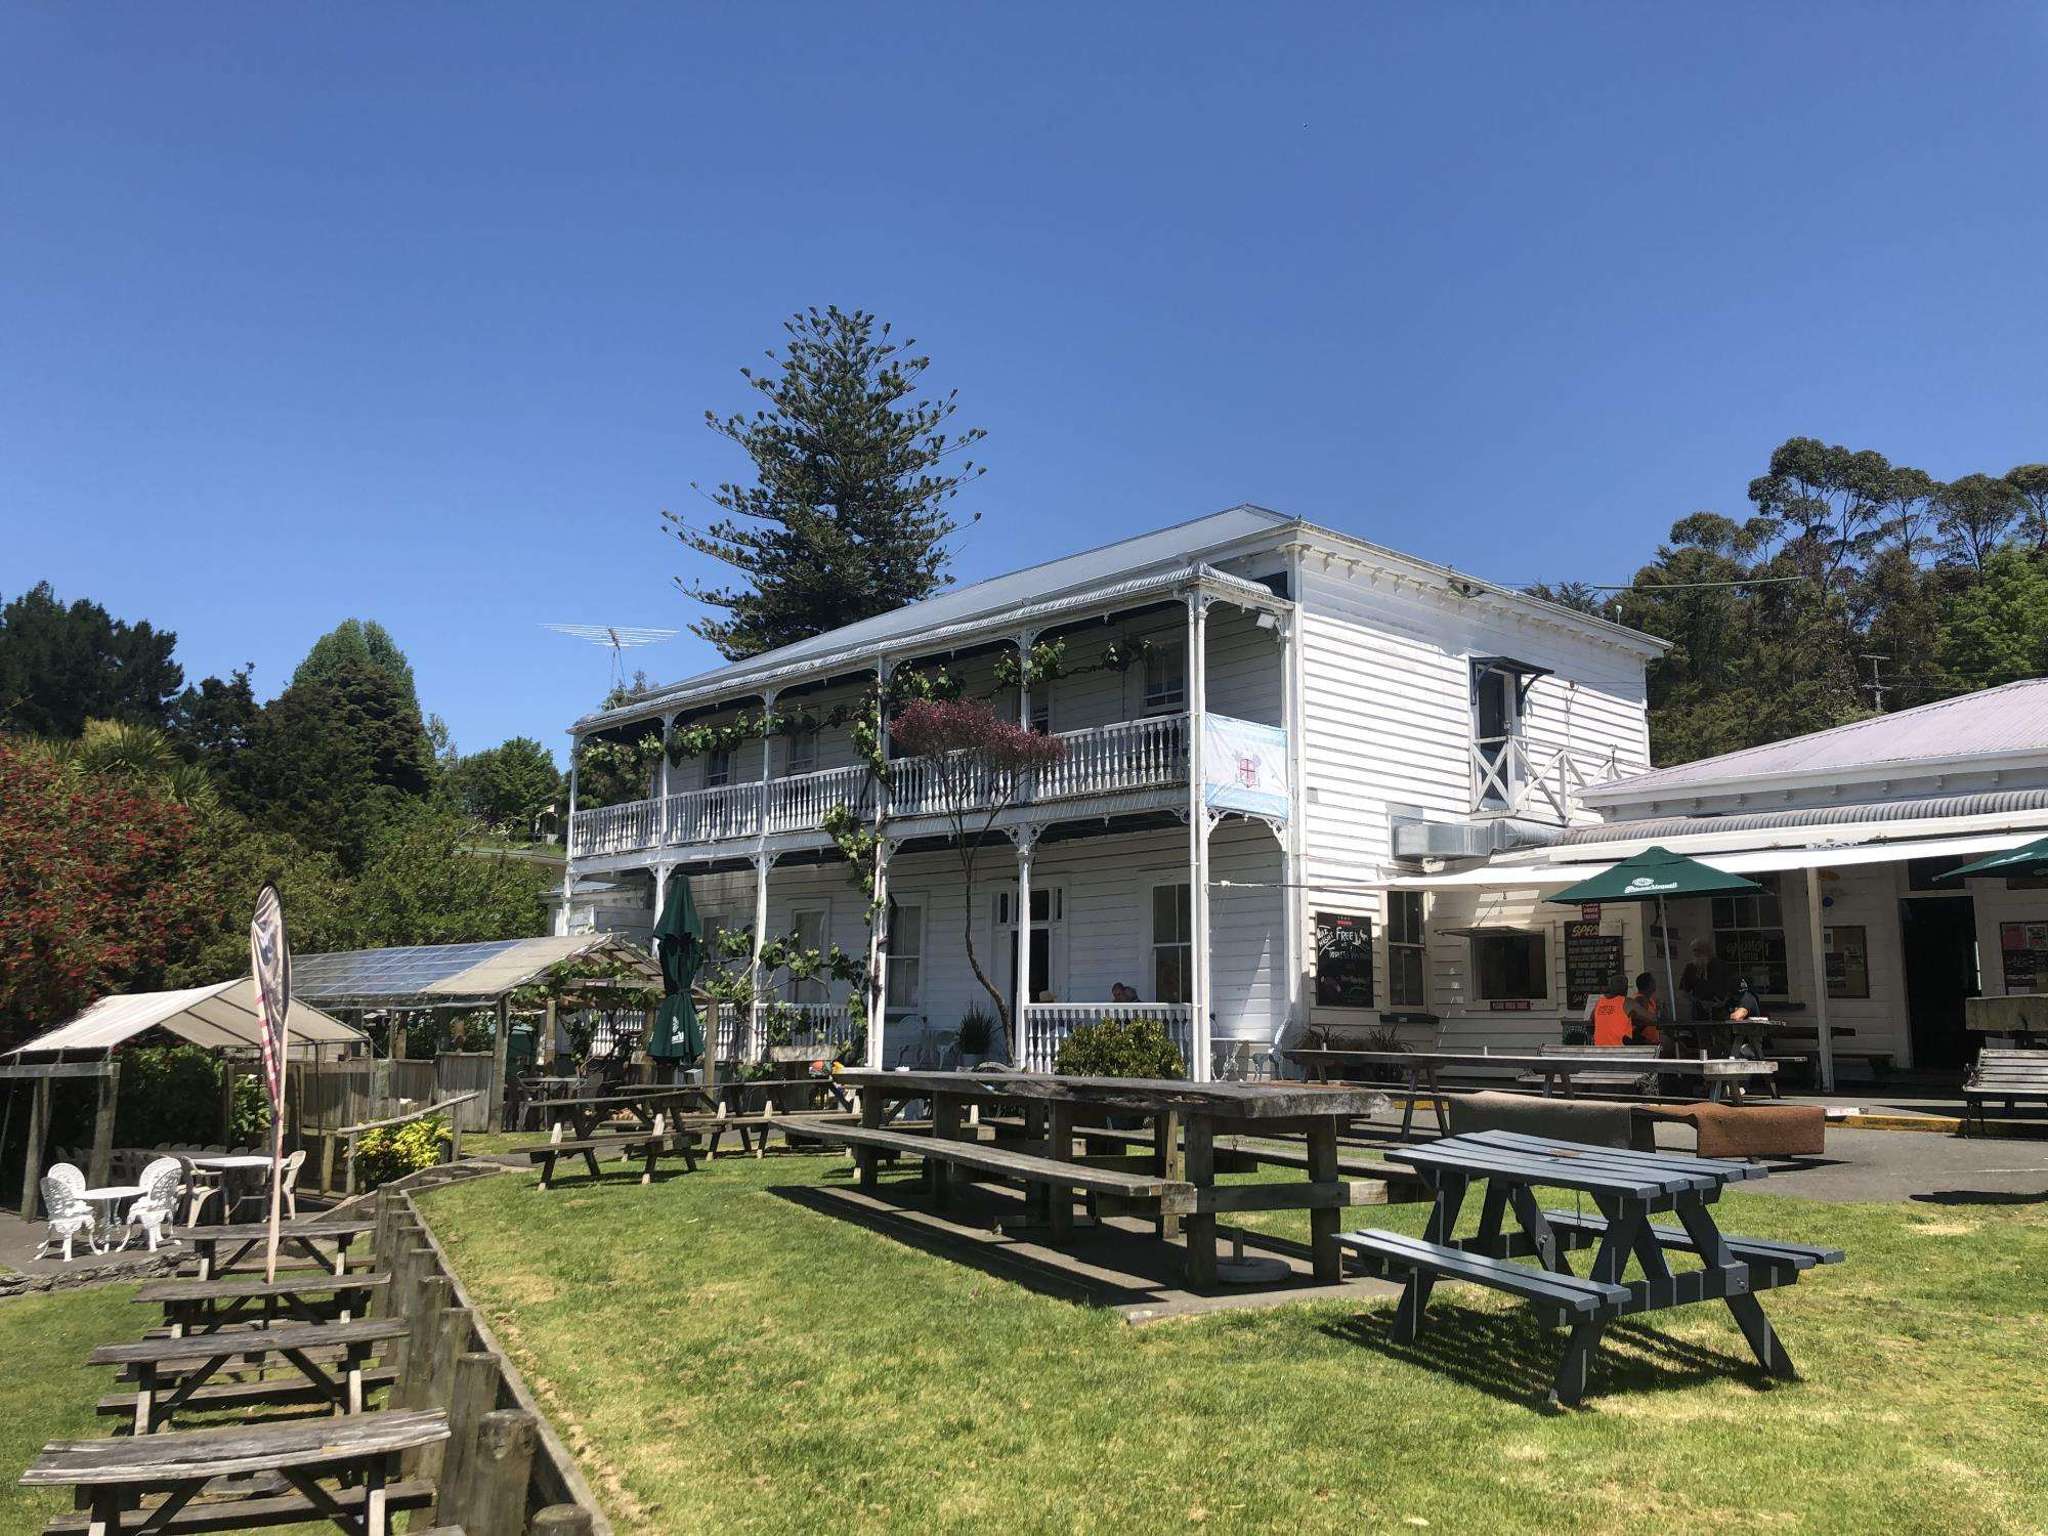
220	1017
466	978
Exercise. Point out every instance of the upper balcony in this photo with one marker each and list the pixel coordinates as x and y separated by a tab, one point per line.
1536	781
1123	759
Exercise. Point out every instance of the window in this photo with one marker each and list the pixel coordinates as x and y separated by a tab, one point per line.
1166	675
905	955
1173	946
718	768
1046	909
803	753
809	926
1343	961
1749	933
1406	987
1511	966
1493	726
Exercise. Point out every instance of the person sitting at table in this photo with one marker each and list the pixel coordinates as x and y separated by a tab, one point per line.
1612	1022
1643	1010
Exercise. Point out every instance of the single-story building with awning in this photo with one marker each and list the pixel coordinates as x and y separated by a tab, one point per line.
1857	940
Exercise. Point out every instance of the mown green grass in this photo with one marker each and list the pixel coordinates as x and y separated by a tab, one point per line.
46	1390
723	1358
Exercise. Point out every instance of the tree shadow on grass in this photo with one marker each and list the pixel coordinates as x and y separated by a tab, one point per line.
1511	1356
1980	1197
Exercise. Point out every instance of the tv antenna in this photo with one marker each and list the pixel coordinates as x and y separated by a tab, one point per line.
616	638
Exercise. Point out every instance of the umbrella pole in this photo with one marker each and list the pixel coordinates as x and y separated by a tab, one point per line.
1670	986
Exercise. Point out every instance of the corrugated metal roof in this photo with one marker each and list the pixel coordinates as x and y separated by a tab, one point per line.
429	974
1163	548
1996	722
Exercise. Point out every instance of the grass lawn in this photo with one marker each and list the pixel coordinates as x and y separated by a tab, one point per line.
46	1393
723	1359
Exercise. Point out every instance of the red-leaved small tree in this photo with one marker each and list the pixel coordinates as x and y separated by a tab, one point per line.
977	762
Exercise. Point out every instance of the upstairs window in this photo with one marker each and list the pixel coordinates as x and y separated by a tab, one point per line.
718	768
1166	675
803	753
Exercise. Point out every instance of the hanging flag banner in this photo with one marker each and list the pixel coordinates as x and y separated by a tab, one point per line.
270	963
1244	767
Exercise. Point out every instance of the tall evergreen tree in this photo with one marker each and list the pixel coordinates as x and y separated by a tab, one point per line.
61	666
847	516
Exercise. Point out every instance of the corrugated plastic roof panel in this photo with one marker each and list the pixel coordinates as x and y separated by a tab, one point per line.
1991	723
407	971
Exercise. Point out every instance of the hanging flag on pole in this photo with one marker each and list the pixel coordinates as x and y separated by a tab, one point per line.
270	962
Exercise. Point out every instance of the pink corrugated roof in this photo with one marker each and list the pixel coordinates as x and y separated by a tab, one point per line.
1992	723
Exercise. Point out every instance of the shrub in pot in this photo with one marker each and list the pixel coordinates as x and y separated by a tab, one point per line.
977	1037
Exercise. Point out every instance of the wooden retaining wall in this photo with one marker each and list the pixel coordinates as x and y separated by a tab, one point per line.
504	1471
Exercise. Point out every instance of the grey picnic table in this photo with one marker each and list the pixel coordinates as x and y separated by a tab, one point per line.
113	1476
170	1372
1186	1117
300	1296
1627	1189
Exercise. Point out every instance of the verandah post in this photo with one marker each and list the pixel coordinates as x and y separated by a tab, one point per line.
1196	673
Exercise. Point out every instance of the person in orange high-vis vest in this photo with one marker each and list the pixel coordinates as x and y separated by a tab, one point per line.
1612	1024
1643	1009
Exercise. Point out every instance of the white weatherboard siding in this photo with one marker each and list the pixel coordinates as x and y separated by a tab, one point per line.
1388	701
1103	936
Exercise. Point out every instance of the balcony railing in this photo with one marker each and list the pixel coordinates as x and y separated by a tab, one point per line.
1104	760
747	1036
1513	776
1047	1024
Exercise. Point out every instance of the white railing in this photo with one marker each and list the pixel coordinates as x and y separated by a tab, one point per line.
1512	776
1102	760
826	1026
1048	1024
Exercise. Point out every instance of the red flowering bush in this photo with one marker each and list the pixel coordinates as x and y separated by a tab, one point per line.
100	890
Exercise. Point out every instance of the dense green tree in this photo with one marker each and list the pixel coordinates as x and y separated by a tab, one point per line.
505	786
1974	514
61	666
1997	629
847	516
2029	484
425	882
352	644
211	724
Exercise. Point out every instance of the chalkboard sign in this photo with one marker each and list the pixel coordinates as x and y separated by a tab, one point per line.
1591	960
1343	961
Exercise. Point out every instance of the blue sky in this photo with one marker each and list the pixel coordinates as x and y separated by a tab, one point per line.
413	312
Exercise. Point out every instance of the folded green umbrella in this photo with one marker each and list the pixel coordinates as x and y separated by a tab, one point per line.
2027	859
1652	875
679	941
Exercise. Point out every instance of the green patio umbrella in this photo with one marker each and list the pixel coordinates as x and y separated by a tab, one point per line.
1652	875
679	940
2027	859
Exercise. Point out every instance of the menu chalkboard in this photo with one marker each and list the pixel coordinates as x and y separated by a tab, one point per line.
2023	947
1343	961
1591	960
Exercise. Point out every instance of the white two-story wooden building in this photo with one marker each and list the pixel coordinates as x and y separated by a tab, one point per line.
1220	831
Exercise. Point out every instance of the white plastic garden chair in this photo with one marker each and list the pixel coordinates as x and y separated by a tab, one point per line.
290	1188
156	1210
70	1213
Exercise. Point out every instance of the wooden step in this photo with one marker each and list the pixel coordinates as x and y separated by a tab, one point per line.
1396	1250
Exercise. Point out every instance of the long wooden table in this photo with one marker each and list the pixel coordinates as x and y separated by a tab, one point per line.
1186	1117
224	1250
1726	1076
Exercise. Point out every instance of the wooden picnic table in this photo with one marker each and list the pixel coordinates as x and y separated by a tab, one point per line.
1627	1188
1186	1118
113	1476
223	1250
1726	1076
205	1306
168	1372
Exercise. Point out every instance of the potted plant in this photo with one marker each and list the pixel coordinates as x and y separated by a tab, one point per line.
977	1038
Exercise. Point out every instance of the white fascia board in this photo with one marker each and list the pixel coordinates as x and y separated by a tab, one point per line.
1901	771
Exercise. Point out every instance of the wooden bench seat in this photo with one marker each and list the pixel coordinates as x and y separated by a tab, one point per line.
1758	1252
307	1283
648	1149
275	1390
1174	1196
2008	1075
194	1466
250	1342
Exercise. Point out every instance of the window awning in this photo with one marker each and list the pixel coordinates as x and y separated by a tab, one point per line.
1749	861
221	1015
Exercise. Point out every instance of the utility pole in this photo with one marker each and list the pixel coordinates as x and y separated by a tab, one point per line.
1876	684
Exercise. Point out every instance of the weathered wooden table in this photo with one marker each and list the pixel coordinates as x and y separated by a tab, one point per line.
1627	1188
1186	1118
206	1306
223	1250
114	1476
1726	1076
172	1373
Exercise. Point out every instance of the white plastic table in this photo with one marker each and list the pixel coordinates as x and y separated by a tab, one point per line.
106	1196
228	1165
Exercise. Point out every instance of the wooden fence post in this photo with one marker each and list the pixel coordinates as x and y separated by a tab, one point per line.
500	1466
471	1394
458	1327
32	1165
430	1301
101	1166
